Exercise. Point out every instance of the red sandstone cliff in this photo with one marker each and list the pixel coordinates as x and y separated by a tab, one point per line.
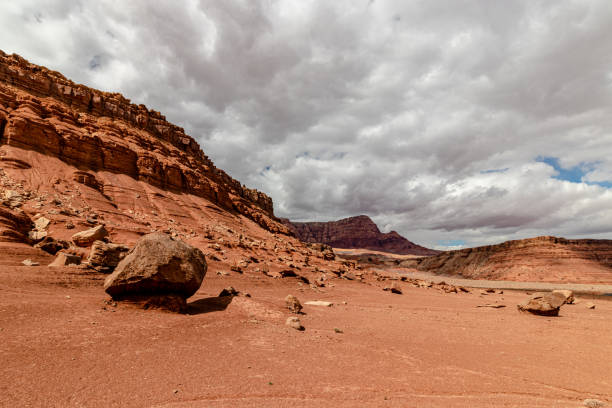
356	232
546	258
94	131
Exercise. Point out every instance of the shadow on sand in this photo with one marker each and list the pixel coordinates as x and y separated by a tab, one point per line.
210	304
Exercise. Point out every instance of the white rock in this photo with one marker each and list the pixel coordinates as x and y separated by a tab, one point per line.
42	223
318	303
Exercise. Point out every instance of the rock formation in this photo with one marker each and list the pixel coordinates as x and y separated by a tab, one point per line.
355	232
42	111
545	258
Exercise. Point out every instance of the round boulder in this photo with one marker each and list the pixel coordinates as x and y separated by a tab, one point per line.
158	265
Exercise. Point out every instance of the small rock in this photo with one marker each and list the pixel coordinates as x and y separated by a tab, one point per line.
69	225
293	304
589	305
42	223
105	256
337	330
52	245
29	262
393	288
294	323
492	305
318	303
64	259
593	403
567	294
349	276
229	291
36	236
88	237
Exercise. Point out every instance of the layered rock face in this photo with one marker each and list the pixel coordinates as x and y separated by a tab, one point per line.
546	258
356	232
42	111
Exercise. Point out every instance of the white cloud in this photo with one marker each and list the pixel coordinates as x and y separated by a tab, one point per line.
427	116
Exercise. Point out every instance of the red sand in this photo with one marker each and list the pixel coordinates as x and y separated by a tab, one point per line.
62	346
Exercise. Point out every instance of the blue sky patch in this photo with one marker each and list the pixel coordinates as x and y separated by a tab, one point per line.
451	242
574	174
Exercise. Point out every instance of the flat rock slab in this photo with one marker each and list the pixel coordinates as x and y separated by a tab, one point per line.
318	303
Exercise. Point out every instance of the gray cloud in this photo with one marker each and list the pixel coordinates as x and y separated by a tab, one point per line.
398	110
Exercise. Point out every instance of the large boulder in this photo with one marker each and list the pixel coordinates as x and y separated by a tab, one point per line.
105	257
88	237
543	303
157	266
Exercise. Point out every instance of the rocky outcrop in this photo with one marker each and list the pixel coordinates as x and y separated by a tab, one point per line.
41	110
355	232
157	266
545	258
14	225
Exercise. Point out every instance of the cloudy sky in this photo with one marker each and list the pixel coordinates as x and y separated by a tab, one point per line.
456	123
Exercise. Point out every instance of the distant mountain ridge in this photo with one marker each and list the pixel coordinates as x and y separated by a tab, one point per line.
356	232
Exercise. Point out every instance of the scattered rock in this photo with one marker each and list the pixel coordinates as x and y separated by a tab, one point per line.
349	276
42	223
29	262
294	323
229	291
88	237
64	259
37	236
393	288
288	273
105	256
593	403
542	303
157	266
318	303
293	304
52	245
567	294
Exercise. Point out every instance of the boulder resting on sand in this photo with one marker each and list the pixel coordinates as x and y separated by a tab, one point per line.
88	237
543	303
158	266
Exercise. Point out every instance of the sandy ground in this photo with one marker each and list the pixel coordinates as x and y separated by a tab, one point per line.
582	288
62	346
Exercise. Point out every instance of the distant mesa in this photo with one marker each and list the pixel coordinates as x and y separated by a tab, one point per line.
547	259
356	232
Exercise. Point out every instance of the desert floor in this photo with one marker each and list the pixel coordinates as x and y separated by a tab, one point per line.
63	346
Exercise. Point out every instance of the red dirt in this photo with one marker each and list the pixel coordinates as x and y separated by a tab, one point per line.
62	346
